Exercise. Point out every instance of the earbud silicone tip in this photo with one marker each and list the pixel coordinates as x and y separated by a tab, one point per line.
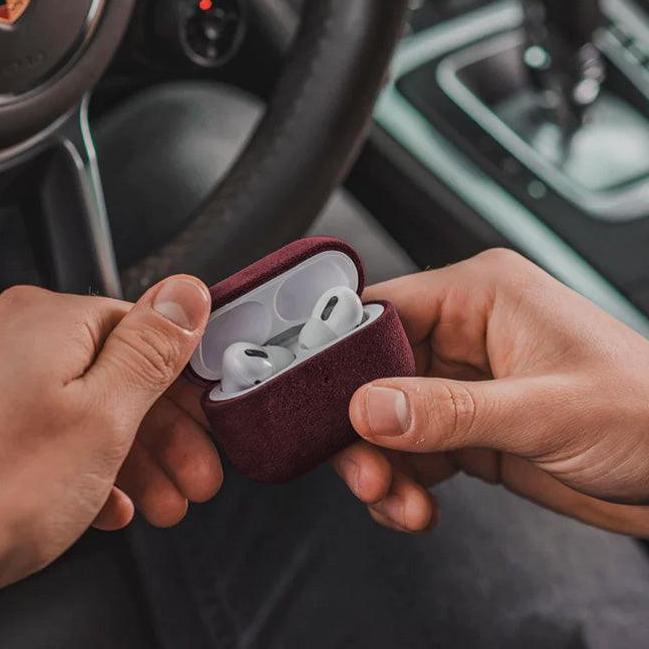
316	333
281	357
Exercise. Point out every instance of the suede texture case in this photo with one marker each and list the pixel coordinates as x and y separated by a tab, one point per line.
299	419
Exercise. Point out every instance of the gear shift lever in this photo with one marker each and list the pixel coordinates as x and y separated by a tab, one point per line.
561	57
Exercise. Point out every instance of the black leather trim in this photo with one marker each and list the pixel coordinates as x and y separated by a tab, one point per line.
301	150
28	116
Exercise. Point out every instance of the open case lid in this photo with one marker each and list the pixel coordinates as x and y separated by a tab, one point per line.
274	295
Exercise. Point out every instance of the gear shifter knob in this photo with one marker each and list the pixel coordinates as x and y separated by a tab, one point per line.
561	56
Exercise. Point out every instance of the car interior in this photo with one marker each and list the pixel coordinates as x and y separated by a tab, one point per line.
144	138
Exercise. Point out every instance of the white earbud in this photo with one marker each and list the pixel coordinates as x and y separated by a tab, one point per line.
246	365
336	313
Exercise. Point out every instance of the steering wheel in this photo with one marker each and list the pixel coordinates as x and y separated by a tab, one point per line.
53	53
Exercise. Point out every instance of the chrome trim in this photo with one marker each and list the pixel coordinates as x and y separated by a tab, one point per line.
503	212
625	12
78	142
636	23
24	151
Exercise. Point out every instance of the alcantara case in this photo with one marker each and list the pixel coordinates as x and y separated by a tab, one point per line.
288	425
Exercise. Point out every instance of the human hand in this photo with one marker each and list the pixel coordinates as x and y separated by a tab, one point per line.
527	384
84	383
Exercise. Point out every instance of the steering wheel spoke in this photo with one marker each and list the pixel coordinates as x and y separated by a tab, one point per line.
75	220
52	55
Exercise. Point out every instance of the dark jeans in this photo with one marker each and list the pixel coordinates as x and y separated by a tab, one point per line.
302	566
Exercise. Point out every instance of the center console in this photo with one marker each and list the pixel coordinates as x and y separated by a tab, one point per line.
535	113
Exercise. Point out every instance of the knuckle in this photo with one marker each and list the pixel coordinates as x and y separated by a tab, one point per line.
509	270
502	258
455	421
21	295
151	356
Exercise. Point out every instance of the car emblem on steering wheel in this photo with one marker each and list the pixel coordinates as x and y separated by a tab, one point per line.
12	10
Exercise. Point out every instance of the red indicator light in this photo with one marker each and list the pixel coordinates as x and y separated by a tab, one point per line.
205	5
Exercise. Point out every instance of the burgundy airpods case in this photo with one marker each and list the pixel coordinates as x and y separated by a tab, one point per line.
298	419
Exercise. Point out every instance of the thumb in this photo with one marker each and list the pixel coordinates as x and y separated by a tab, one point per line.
435	415
149	348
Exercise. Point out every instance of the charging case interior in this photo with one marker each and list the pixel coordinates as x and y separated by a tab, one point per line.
299	418
274	313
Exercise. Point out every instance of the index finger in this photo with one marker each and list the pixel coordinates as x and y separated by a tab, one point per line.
416	301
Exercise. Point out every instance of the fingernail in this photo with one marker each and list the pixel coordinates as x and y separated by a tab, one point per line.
182	302
388	411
